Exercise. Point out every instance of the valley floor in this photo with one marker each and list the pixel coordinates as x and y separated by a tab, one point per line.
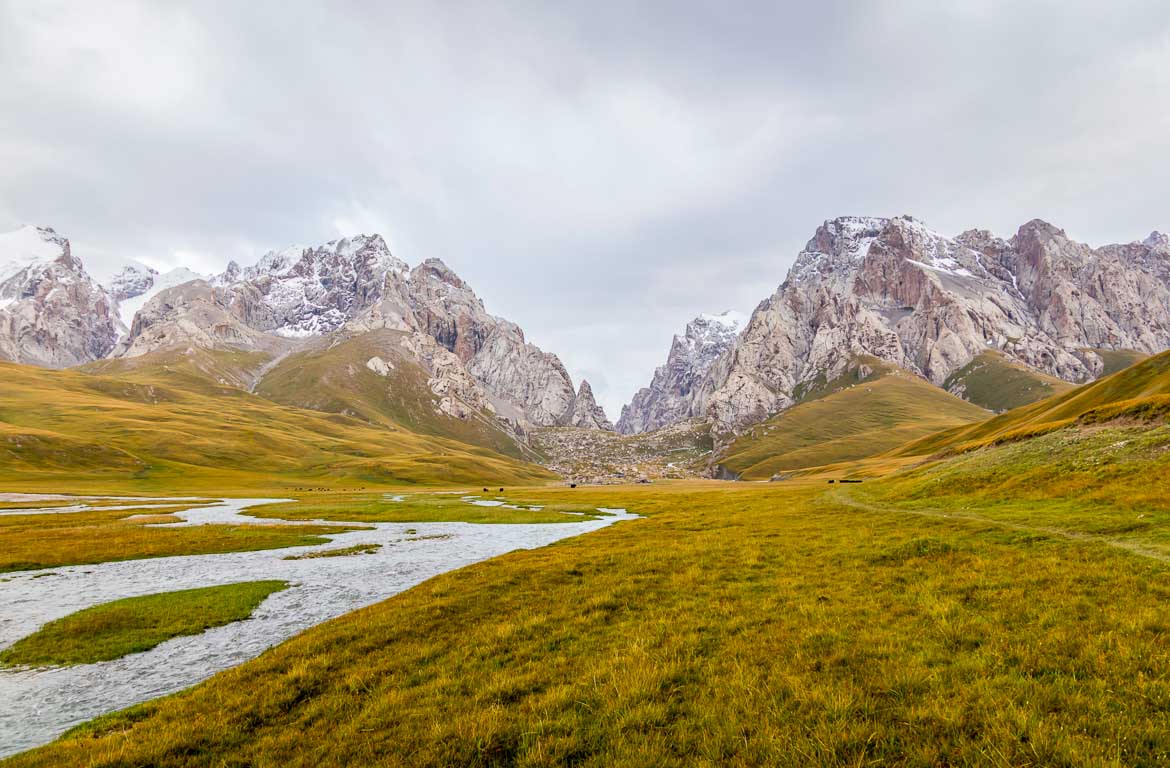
342	568
797	623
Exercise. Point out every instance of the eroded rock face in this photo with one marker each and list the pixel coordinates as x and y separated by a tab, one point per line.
52	313
587	413
460	395
894	289
671	395
194	314
523	380
352	286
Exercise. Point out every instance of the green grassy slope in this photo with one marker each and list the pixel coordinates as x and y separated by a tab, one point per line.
855	422
151	435
209	371
335	379
1118	359
1141	391
998	384
732	625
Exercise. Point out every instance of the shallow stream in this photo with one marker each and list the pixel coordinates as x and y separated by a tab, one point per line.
37	705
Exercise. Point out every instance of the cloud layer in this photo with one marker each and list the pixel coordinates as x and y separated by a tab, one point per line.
599	172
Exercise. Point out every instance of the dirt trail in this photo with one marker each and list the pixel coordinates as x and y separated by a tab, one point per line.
1133	547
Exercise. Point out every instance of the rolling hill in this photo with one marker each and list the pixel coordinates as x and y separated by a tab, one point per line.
865	413
998	384
344	377
147	430
1140	392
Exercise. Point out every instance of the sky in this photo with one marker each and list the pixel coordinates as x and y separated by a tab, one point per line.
599	172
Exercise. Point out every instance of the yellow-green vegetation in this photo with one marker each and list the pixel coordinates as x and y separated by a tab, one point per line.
998	384
76	431
1118	359
427	508
356	549
135	624
335	378
209	371
780	624
871	416
1104	481
1140	392
34	541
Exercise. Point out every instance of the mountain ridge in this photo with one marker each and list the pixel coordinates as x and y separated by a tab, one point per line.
476	363
894	289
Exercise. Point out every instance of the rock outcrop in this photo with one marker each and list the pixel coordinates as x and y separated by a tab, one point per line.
671	395
52	313
587	413
894	289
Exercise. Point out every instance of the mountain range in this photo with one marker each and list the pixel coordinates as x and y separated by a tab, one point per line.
291	307
1037	307
348	328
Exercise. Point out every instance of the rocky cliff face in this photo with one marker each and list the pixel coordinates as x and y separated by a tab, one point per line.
52	313
353	286
894	289
671	395
587	413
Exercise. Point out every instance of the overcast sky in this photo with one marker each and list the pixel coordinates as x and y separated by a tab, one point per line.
598	172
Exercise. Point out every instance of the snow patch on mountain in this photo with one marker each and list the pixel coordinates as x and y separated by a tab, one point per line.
27	247
144	291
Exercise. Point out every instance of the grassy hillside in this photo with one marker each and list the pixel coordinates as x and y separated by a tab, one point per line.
998	384
189	368
1141	392
882	411
335	378
70	430
732	625
1117	359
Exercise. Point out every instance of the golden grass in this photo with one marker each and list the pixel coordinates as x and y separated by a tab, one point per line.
30	542
865	419
68	430
423	508
1122	394
998	384
734	625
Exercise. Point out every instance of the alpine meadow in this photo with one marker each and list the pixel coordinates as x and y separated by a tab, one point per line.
781	426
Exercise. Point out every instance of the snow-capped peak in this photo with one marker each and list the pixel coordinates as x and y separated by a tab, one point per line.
729	319
152	283
26	247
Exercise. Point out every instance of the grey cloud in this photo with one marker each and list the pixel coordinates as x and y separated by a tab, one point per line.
600	172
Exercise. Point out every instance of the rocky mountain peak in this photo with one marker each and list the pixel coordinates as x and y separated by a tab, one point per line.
898	291
586	412
52	312
1157	240
436	269
670	396
130	281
